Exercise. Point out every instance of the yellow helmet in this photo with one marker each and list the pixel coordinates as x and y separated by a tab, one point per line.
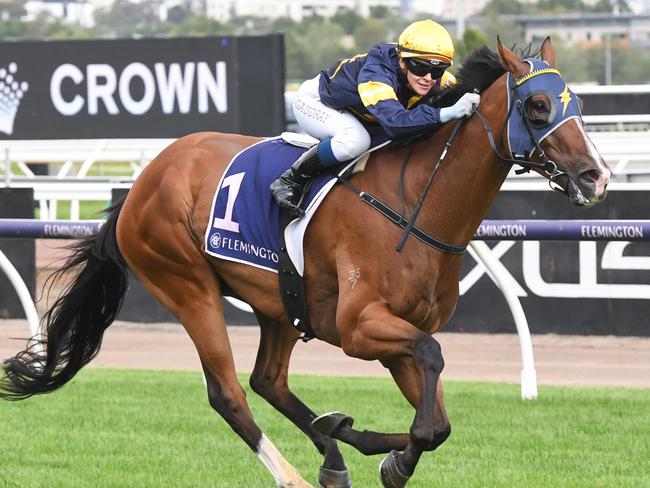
426	39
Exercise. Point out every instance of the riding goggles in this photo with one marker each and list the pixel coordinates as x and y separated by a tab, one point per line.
422	67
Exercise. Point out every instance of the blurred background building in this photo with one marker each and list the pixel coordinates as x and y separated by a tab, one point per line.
81	11
612	35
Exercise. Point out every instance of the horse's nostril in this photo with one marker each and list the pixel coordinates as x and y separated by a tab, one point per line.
594	180
592	174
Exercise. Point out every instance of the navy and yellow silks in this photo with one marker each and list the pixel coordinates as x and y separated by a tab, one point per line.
374	89
564	106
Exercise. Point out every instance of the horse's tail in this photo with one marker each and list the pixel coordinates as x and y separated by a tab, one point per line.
73	328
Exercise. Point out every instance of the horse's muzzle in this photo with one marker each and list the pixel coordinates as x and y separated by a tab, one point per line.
589	187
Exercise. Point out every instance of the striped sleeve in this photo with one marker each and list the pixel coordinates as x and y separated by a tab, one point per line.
373	92
377	86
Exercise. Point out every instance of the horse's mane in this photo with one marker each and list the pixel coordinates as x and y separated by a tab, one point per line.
478	70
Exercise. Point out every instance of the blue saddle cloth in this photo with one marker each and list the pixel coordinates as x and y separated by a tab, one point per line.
245	218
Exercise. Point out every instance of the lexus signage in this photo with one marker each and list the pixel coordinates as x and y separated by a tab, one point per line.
565	287
141	88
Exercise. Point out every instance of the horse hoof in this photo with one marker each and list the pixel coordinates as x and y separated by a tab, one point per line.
330	423
328	478
390	475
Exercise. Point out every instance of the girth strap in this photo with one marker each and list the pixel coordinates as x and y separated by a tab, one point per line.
292	287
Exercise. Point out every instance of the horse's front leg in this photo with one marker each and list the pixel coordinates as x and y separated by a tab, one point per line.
406	374
397	467
415	360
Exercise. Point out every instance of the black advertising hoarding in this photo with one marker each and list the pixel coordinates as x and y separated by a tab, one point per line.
615	103
564	287
16	203
141	88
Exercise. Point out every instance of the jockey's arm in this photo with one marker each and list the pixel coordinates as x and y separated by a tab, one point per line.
377	92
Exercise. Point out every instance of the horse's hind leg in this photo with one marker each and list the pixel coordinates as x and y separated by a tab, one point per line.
269	379
208	331
191	292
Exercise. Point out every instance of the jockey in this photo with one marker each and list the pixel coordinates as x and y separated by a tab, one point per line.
373	93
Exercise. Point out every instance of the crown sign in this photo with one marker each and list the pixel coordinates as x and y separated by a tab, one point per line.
11	93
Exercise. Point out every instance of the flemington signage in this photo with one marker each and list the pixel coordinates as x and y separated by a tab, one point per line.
612	231
563	230
587	275
139	88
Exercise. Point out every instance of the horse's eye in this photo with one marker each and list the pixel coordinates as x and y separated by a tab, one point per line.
539	106
537	111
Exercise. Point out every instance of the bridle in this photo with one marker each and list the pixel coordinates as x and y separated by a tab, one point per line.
545	166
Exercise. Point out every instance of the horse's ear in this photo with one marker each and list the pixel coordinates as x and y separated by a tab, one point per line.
548	52
511	62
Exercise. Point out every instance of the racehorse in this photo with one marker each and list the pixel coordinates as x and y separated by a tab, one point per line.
398	299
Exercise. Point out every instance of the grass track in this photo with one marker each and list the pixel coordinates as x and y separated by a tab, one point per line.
116	428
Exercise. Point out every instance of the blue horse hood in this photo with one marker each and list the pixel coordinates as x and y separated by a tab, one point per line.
542	78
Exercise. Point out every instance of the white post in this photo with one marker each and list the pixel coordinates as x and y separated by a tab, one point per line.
528	373
460	19
7	168
74	210
23	294
239	304
608	59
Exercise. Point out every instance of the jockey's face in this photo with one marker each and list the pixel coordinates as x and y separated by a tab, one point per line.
421	85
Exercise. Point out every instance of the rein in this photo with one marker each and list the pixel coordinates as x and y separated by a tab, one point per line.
411	221
409	224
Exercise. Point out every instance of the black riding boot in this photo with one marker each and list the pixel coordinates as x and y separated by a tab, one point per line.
289	187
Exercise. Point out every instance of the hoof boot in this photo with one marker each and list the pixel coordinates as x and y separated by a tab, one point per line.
328	478
391	476
330	423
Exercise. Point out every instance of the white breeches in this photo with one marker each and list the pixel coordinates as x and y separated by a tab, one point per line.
349	136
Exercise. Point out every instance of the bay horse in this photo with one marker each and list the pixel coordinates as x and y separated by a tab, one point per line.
399	299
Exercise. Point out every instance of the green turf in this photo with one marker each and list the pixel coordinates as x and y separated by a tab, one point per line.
120	429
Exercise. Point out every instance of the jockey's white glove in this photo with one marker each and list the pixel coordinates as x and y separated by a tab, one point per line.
462	108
